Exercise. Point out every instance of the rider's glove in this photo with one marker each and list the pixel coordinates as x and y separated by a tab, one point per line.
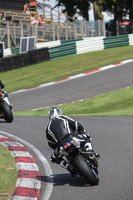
88	147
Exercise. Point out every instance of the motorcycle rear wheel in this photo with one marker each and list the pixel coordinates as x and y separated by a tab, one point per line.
6	112
85	171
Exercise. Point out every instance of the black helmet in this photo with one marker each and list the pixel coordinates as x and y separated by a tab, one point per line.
54	112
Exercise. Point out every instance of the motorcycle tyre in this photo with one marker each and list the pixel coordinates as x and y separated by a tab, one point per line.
85	171
8	116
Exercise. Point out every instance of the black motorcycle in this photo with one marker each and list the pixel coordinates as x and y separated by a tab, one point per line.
5	107
84	163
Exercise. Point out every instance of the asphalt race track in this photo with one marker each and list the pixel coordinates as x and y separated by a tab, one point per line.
112	137
76	89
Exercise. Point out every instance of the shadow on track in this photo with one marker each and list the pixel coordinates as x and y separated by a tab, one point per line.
64	179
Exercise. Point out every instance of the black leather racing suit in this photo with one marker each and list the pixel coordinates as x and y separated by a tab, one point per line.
61	129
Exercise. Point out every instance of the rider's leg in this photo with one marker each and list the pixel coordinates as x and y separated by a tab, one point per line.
57	158
88	147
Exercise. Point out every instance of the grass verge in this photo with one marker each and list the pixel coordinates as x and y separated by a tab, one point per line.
57	69
8	174
115	103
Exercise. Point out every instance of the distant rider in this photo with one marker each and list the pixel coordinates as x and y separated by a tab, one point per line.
61	129
4	92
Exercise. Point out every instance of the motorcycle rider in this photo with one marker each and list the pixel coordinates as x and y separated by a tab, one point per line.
61	129
4	92
1	85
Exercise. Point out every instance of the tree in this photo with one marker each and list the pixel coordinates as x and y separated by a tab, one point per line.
83	6
69	6
129	7
73	7
120	9
97	7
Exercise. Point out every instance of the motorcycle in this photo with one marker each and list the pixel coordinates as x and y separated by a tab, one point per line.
5	107
84	163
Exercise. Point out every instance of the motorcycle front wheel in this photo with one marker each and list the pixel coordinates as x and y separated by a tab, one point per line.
85	171
6	112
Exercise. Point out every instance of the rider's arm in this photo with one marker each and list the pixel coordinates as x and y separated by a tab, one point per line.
80	130
77	127
51	142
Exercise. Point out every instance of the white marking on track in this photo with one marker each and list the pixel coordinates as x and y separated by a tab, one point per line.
14	144
20	154
26	166
29	183
22	198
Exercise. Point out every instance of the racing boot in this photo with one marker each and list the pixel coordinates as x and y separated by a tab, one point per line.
88	148
71	170
69	167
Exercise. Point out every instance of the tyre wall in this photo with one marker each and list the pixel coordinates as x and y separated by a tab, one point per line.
23	60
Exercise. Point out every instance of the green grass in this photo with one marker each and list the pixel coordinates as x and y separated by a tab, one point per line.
8	174
57	69
114	103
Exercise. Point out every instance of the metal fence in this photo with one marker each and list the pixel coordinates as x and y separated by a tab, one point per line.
10	33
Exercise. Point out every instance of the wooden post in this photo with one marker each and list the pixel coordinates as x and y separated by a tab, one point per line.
14	32
53	32
85	28
66	25
21	29
51	14
75	32
44	8
81	29
8	35
57	31
36	32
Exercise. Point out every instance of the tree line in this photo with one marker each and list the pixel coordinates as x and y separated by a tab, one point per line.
119	8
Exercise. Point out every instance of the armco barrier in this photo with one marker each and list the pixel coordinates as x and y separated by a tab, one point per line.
89	45
40	45
116	41
7	52
15	50
70	41
56	49
23	60
67	47
96	38
130	39
63	50
48	44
